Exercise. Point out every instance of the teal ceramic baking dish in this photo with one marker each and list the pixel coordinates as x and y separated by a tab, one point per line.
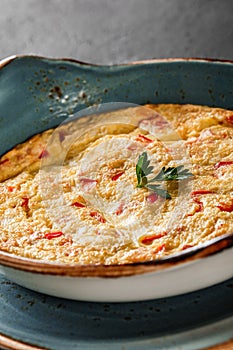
38	93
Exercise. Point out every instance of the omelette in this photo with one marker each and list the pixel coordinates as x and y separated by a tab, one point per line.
124	186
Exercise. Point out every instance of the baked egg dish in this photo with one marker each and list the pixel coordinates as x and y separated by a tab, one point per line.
126	186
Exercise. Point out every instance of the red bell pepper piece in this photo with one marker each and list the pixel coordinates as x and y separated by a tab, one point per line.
52	235
152	198
116	177
120	209
225	207
220	164
4	161
87	184
44	153
25	203
199	192
147	240
186	246
78	205
160	248
143	138
230	119
98	216
199	208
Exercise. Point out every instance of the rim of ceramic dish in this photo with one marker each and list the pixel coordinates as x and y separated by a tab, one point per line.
12	344
117	270
5	61
204	250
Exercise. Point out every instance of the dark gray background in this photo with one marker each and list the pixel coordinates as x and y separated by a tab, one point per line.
114	31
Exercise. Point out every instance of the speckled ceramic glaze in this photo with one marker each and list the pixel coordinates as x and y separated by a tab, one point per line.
38	93
188	322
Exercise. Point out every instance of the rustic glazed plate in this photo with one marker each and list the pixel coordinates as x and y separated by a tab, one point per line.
38	93
34	321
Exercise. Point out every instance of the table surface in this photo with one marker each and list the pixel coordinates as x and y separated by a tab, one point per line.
108	31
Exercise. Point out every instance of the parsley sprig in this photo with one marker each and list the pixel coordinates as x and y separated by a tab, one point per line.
143	169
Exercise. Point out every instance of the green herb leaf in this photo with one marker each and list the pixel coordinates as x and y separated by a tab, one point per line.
143	169
172	173
159	190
